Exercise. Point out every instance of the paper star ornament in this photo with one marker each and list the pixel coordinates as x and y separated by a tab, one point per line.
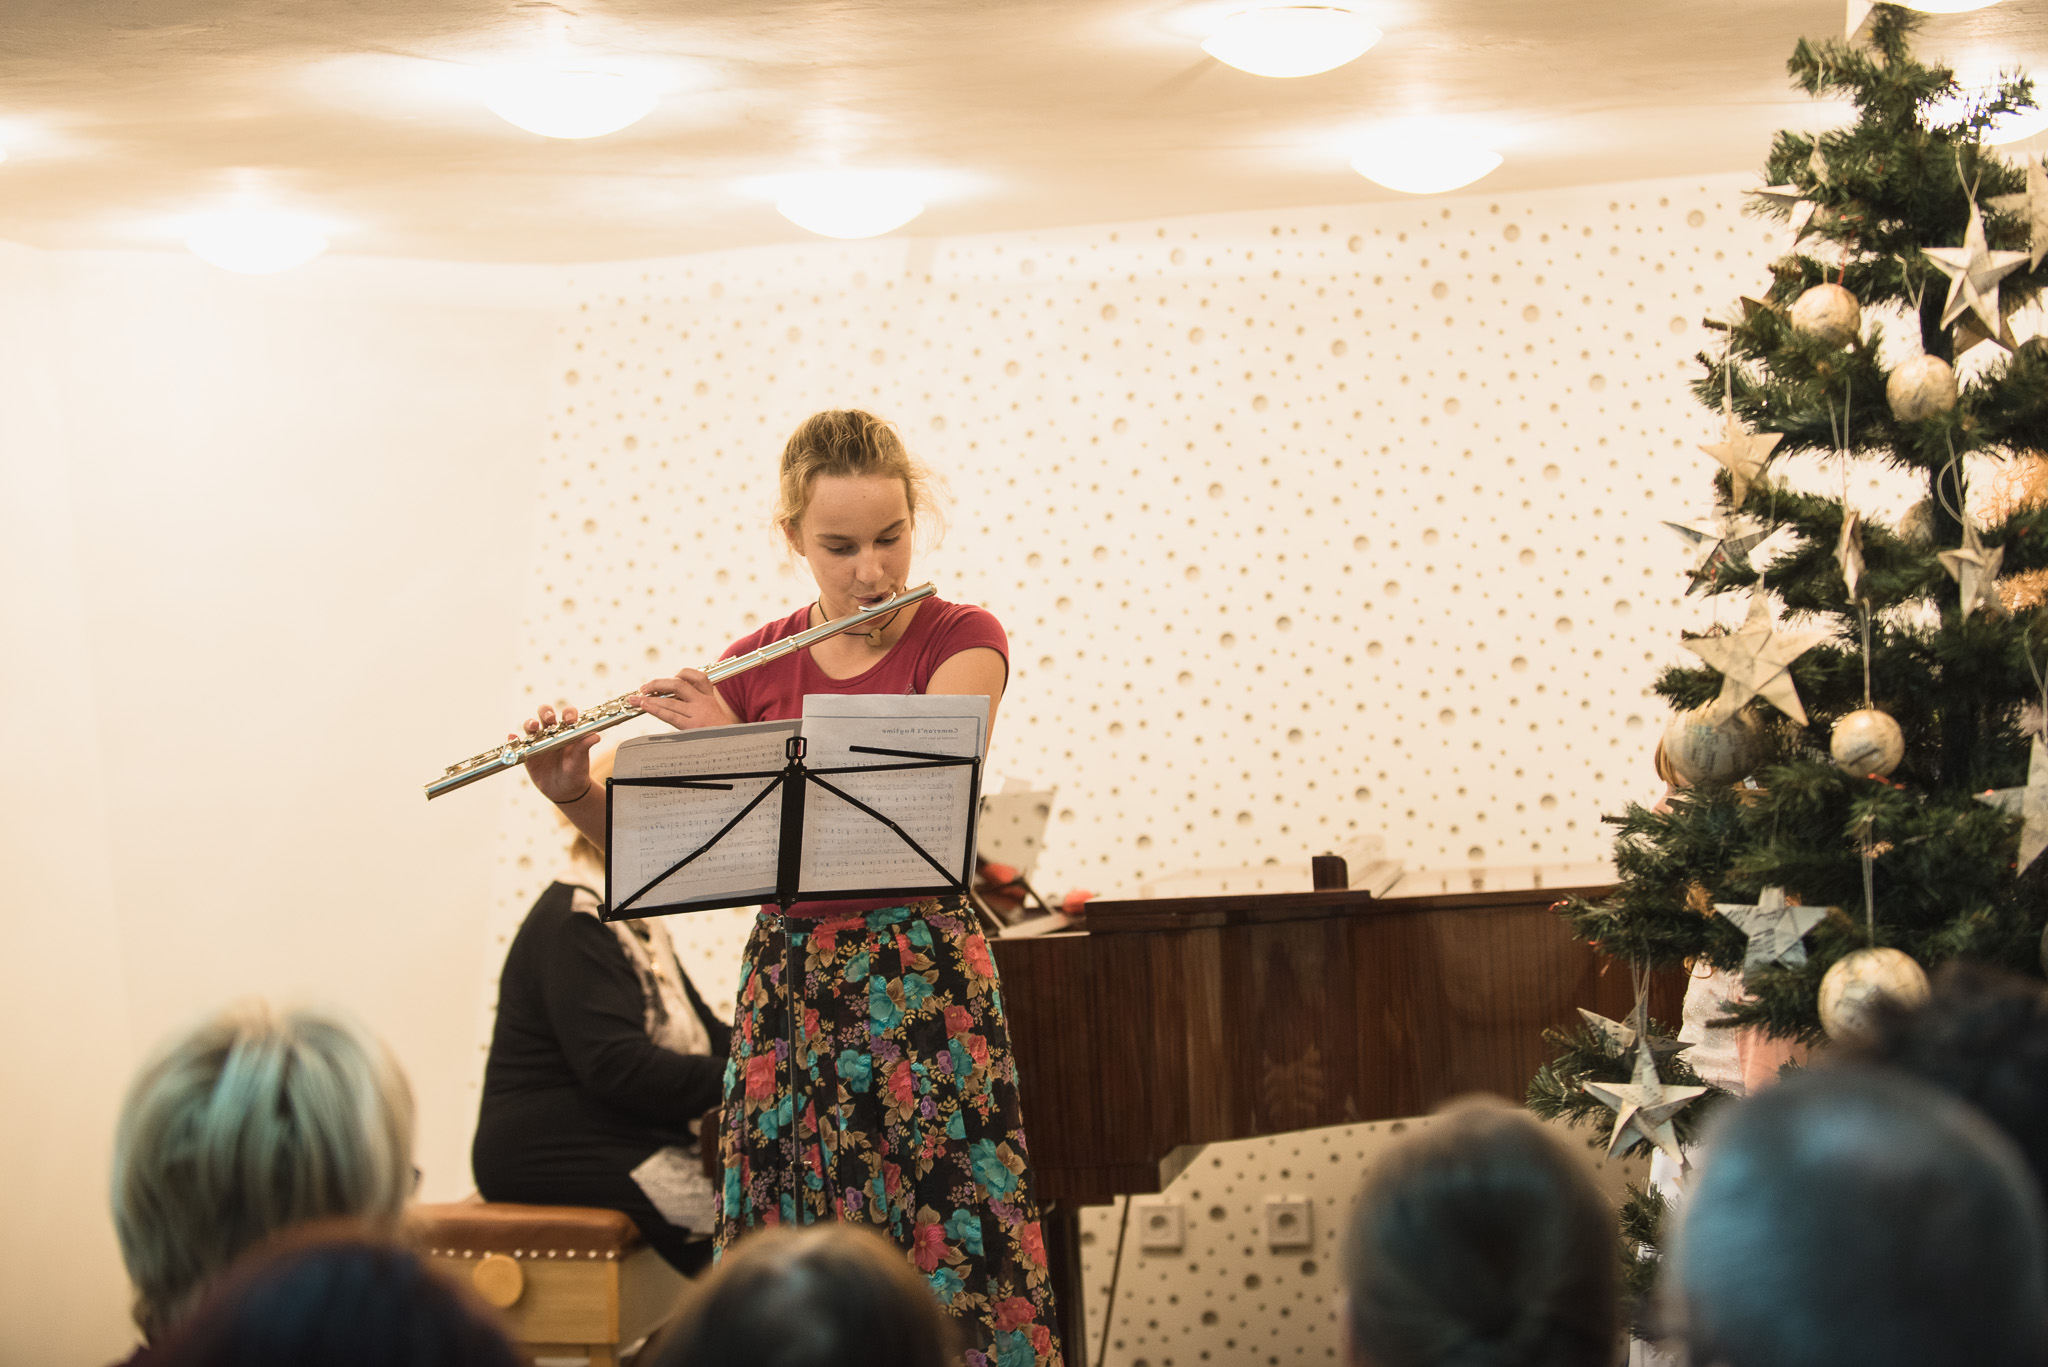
1621	1036
1723	543
2029	804
1643	1107
1742	452
1755	662
1969	333
1792	198
1975	569
1974	271
2030	205
1849	554
1776	929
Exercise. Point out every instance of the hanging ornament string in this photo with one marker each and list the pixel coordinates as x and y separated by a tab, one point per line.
1863	835
1954	471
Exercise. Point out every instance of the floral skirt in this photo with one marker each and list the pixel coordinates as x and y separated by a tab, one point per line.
903	1113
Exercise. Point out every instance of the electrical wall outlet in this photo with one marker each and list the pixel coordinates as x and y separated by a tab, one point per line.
1162	1227
1290	1222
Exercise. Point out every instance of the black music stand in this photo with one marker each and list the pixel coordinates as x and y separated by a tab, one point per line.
794	781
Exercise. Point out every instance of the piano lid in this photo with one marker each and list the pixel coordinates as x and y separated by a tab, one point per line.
1270	908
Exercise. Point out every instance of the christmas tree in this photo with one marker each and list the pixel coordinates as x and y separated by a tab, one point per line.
1861	785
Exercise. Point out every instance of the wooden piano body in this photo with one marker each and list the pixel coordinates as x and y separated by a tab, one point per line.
1170	1024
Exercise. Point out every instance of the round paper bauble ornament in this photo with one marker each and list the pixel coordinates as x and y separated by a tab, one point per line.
1858	981
1921	388
1916	524
1867	742
1828	312
1712	753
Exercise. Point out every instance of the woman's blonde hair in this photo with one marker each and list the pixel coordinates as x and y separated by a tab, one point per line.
847	442
253	1122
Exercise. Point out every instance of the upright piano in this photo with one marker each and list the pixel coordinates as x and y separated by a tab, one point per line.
1155	1027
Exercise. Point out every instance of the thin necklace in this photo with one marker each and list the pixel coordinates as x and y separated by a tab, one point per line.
873	636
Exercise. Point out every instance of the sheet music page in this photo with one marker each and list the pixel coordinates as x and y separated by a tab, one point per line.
845	849
652	828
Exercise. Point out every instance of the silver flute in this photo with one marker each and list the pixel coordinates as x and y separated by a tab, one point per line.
514	753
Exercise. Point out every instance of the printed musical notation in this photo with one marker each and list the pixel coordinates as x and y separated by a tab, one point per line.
652	828
845	850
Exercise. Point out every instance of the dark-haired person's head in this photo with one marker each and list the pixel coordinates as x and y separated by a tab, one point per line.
336	1296
828	1296
1856	1217
1982	1035
1482	1242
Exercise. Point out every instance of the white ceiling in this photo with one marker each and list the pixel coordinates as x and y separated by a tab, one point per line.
121	116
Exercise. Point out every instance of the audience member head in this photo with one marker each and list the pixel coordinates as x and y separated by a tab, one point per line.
335	1296
1982	1035
253	1122
1481	1241
828	1296
1855	1216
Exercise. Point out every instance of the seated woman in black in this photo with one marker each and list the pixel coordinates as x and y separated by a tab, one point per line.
603	1064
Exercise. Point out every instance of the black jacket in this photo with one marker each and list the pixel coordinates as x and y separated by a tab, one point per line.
572	1077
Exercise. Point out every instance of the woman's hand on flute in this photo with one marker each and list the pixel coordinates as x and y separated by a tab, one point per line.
686	702
562	774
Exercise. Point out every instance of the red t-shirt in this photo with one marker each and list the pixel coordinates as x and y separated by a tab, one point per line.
775	692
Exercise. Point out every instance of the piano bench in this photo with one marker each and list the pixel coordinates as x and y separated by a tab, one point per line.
570	1281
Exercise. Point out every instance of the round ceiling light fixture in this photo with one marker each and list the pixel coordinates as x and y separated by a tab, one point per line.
848	204
255	241
1419	161
565	102
1291	40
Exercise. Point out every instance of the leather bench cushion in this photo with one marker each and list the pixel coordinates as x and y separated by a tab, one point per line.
481	1227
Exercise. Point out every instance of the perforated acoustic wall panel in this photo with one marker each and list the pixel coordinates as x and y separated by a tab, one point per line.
1306	526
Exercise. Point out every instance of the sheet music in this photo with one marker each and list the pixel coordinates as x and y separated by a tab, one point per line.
846	850
654	827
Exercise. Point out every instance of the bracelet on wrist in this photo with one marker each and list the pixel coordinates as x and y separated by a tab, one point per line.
559	802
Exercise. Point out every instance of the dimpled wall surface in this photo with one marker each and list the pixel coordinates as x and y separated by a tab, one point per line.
1306	526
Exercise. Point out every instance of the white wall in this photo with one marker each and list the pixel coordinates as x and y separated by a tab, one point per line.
262	541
